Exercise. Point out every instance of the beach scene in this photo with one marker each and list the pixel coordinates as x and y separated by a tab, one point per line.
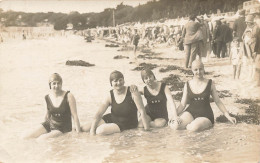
85	58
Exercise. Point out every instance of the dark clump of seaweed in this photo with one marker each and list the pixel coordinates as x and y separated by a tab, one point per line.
112	45
222	94
145	66
174	82
169	68
126	48
120	57
79	63
252	115
145	50
185	71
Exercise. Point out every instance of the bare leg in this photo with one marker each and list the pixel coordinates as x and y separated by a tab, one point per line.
35	133
158	123
86	127
186	118
238	71
235	70
107	129
140	123
199	124
52	134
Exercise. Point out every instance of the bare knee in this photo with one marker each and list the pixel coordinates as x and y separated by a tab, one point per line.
86	128
192	127
160	122
101	130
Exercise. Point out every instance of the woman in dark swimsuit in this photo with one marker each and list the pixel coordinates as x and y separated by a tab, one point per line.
61	106
124	107
199	115
160	106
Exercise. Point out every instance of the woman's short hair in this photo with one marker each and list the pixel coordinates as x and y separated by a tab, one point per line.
146	72
115	75
55	77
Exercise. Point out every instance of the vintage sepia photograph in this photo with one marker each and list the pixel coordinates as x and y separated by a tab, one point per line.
129	81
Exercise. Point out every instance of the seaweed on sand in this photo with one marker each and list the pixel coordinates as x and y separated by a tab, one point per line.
222	94
79	63
252	115
126	48
174	82
120	57
169	68
112	45
144	66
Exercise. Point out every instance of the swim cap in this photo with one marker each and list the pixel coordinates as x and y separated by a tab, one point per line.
197	61
146	72
55	77
115	75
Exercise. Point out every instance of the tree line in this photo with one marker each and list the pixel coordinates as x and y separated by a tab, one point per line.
152	10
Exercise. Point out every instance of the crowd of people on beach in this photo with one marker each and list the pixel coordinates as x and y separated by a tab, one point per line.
201	36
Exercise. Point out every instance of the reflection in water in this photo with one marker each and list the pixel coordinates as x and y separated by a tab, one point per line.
23	84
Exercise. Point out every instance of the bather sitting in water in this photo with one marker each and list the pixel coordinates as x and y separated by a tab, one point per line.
159	101
124	106
61	105
199	115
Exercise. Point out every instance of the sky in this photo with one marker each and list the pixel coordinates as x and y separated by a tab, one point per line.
65	6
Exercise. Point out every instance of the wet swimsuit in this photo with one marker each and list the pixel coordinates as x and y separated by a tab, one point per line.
156	105
123	114
60	117
200	103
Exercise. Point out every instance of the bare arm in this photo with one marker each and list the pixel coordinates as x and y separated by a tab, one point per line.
220	105
134	88
170	104
102	109
73	110
184	100
48	114
140	106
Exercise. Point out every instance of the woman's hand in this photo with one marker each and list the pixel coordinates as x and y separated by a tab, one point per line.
231	119
133	88
176	120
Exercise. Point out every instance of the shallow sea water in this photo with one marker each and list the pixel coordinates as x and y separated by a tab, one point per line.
24	70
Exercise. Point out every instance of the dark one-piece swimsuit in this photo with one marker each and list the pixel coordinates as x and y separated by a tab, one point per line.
156	105
60	117
200	103
123	114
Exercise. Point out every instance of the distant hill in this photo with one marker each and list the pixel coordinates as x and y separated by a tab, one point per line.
152	10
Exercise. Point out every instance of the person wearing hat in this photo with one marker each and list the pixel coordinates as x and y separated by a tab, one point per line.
239	26
124	103
249	42
61	106
192	36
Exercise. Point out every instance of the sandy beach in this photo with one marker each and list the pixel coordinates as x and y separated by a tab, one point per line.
26	64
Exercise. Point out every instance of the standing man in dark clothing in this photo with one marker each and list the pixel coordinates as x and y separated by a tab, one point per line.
218	38
192	36
227	37
239	26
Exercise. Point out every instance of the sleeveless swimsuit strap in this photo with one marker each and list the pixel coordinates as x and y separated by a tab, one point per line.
207	87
